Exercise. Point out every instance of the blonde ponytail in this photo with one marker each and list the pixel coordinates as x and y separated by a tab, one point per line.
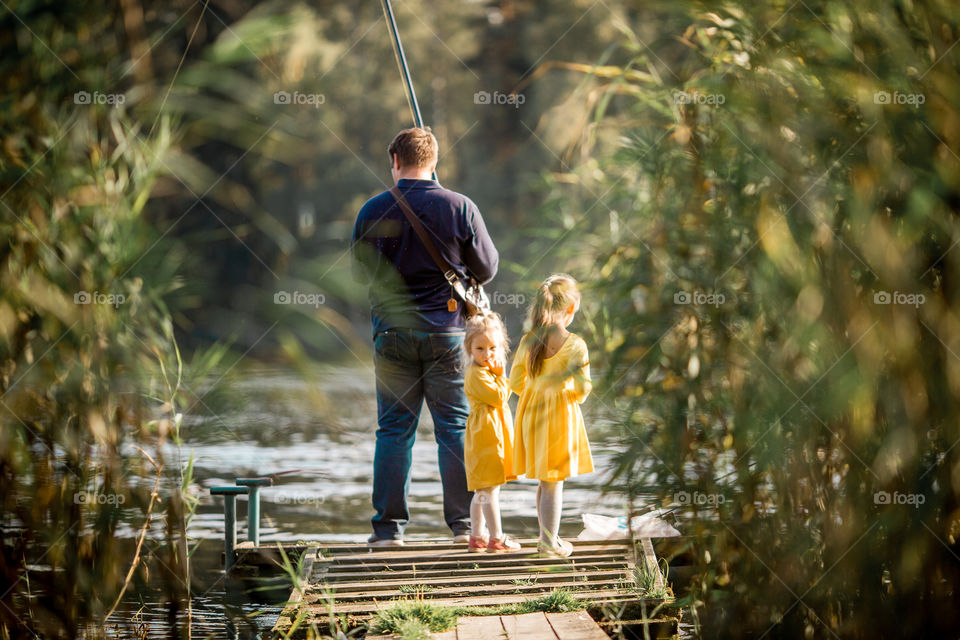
553	298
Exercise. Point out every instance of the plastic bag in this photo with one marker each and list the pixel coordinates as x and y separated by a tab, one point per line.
606	528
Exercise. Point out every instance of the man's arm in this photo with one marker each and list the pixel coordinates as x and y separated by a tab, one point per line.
358	249
479	254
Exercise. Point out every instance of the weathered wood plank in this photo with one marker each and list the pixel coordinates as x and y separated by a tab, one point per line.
468	563
423	574
518	573
593	596
480	628
461	551
446	543
529	626
576	625
469	590
469	560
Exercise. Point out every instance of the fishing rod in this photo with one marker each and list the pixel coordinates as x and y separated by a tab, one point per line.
410	92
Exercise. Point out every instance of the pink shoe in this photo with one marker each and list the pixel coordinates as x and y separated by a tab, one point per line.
477	544
501	545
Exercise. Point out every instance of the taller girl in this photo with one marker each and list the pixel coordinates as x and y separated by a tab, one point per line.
551	374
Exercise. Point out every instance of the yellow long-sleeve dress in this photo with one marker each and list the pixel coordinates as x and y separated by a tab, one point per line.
488	442
551	440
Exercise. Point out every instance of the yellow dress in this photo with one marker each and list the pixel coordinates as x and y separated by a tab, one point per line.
551	440
488	442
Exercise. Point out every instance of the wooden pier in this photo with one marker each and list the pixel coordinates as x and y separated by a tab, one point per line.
350	582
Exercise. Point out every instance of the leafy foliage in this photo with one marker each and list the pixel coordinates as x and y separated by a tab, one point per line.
769	199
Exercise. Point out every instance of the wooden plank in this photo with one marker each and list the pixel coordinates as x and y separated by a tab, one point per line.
444	543
469	563
422	574
531	590
479	559
594	596
528	626
305	571
576	625
480	628
540	577
420	555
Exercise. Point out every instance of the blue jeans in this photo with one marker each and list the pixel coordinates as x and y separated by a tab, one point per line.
413	366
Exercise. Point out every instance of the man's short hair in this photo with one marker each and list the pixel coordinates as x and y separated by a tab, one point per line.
414	147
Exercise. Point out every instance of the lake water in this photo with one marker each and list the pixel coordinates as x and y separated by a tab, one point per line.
317	428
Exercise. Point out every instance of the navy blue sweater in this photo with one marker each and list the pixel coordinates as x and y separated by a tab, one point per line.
407	288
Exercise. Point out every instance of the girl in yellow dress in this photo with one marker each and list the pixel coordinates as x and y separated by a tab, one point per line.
488	442
551	374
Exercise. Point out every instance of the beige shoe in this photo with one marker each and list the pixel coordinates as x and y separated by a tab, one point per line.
562	549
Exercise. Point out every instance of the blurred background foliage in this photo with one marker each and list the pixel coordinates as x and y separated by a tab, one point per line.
726	179
769	201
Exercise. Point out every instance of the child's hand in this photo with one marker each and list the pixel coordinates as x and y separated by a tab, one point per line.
495	364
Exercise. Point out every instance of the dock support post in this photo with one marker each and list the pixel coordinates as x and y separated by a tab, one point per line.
253	505
229	521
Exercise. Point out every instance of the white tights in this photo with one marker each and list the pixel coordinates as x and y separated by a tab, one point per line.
549	503
485	510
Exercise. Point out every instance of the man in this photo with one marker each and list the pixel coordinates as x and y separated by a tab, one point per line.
417	332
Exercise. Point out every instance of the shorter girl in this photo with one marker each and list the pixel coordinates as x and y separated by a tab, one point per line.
551	374
488	443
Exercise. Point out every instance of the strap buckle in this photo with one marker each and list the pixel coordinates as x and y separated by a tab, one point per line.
450	275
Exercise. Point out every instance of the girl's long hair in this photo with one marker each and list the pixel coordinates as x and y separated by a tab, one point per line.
480	324
552	299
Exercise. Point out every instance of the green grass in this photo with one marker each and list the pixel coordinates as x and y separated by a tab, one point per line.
439	618
399	617
645	581
417	588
